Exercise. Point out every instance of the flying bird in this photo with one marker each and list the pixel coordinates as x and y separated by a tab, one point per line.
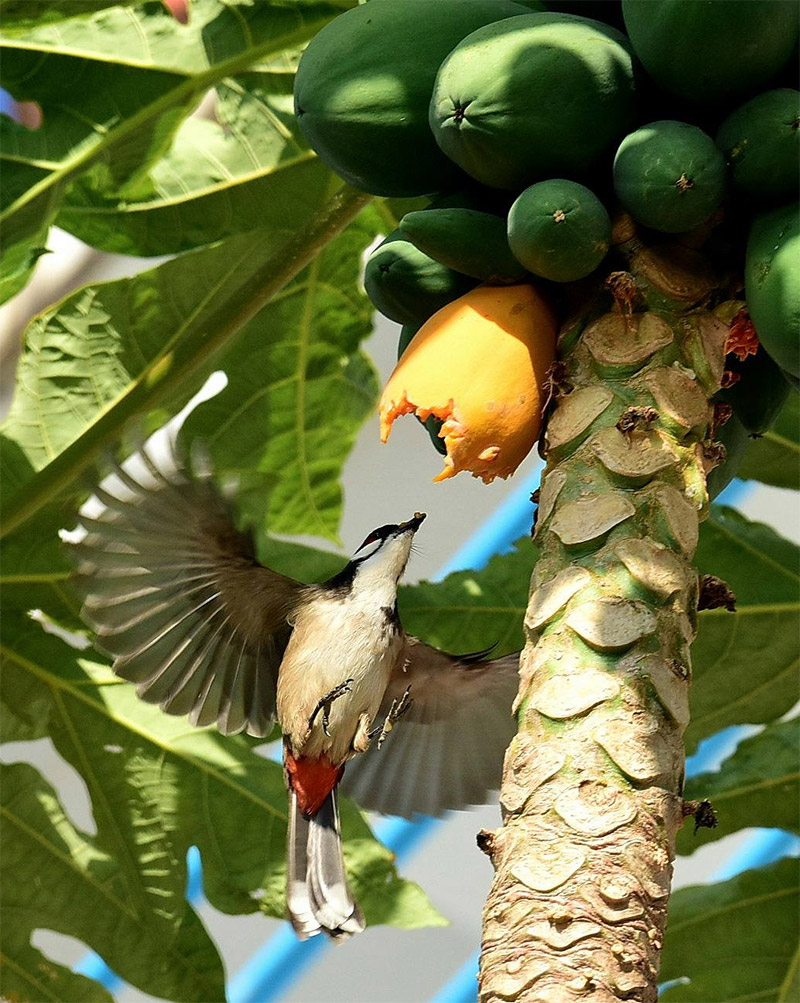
178	598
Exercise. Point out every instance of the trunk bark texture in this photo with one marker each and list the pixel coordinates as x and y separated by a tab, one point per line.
591	795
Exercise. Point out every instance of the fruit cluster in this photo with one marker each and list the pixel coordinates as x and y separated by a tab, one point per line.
530	128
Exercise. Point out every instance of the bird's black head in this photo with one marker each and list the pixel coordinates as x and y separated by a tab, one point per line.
381	558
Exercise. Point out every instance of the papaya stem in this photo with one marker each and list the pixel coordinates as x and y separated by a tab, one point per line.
591	793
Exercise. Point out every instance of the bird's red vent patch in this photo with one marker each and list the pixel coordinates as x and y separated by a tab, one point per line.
312	780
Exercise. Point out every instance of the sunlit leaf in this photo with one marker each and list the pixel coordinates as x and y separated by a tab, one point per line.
736	941
116	350
298	390
113	88
745	663
247	168
757	786
157	787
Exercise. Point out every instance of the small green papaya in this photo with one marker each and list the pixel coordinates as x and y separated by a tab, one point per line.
531	97
407	332
761	143
712	50
559	230
669	176
473	243
772	284
407	285
364	83
432	424
733	436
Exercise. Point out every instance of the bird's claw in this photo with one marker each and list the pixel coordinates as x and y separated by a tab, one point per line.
324	705
396	711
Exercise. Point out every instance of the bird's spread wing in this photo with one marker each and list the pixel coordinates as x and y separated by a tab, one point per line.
447	750
176	596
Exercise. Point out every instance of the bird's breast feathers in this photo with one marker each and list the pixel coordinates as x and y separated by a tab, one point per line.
333	641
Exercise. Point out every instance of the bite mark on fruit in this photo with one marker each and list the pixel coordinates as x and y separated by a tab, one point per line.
456	439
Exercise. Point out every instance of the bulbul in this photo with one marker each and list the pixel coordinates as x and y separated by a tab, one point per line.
177	597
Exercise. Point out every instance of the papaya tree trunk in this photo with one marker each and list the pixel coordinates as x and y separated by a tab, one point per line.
591	795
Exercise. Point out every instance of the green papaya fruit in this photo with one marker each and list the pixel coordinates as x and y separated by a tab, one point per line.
407	332
772	284
406	285
364	83
733	436
760	392
761	143
432	424
532	97
473	243
669	176
559	230
712	50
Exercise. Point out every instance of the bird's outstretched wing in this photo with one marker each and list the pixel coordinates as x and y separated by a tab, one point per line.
176	596
447	750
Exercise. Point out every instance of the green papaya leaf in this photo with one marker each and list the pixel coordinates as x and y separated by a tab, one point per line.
113	88
82	897
245	169
472	610
736	941
775	457
757	786
32	12
37	838
298	391
157	787
35	571
116	350
745	663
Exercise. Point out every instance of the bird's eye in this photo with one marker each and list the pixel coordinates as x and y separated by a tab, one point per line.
373	537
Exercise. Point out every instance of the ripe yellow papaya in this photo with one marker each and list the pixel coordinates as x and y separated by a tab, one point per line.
479	365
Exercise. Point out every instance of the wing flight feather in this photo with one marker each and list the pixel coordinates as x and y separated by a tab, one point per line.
177	597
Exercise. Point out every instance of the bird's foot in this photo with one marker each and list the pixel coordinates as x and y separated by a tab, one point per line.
396	711
324	705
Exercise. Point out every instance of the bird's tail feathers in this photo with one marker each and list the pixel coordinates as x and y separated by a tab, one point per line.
317	894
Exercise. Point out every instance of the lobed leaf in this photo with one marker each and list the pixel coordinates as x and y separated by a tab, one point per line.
116	350
757	786
157	787
298	390
113	88
245	169
735	941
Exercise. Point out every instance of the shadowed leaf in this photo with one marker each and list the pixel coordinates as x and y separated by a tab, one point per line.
775	457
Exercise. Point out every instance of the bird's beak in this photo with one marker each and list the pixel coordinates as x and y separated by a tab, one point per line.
413	524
